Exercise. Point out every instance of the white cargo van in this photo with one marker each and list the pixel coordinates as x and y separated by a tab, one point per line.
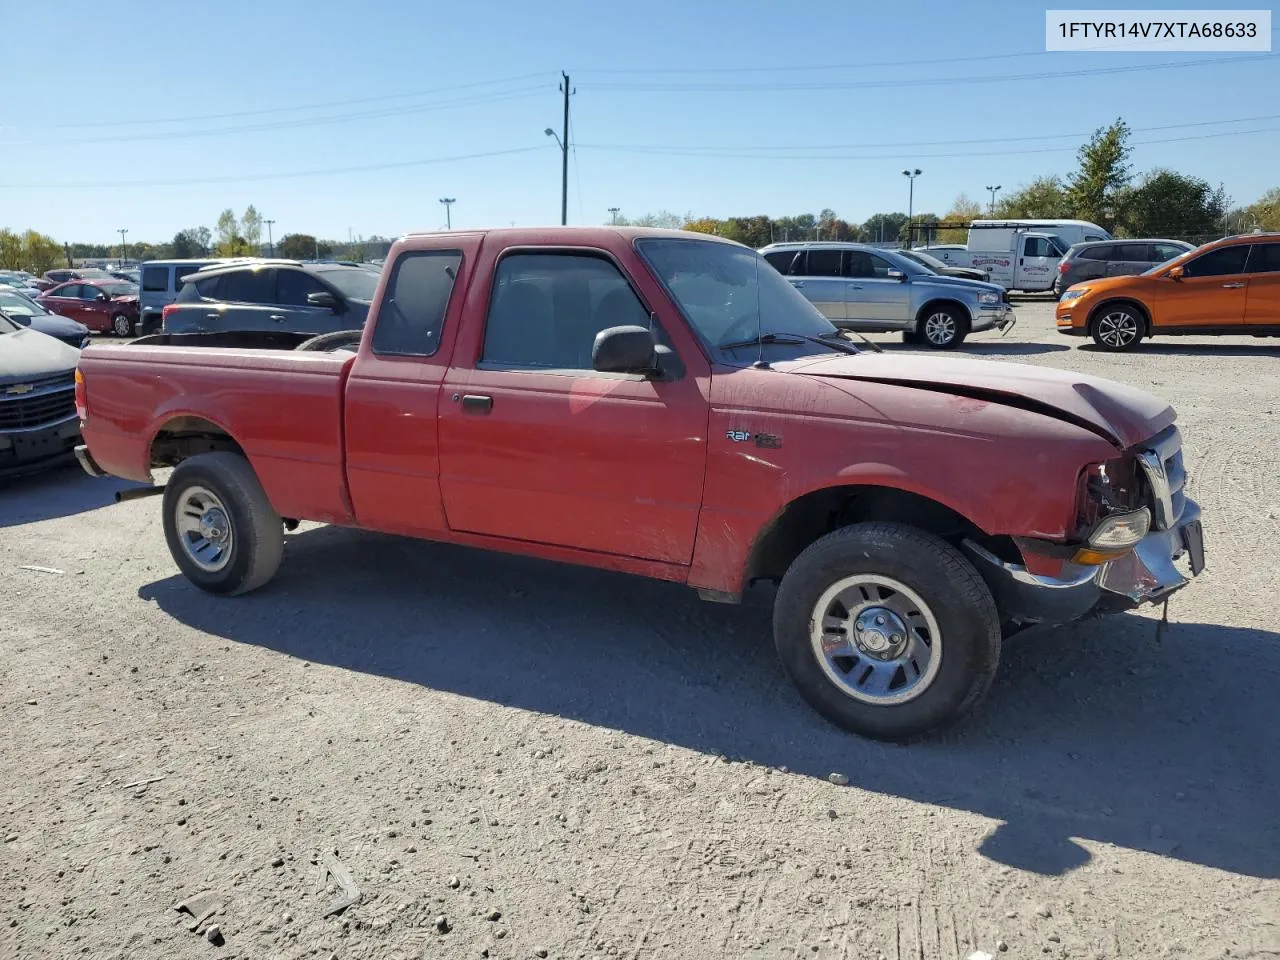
1018	254
1068	232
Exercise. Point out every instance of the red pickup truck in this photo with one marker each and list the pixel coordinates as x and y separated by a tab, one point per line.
666	404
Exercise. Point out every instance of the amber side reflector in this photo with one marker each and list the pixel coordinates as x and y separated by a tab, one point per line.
1091	557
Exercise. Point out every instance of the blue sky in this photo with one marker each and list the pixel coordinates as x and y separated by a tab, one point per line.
161	92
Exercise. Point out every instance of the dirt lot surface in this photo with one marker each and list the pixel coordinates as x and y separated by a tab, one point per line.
563	760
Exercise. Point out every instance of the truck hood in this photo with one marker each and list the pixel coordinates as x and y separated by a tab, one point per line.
1123	415
30	354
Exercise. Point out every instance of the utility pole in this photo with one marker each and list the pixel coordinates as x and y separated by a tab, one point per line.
911	199
271	244
563	142
992	209
124	247
448	216
613	215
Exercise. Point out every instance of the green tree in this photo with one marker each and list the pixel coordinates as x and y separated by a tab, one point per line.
297	246
251	227
702	225
1042	198
1174	205
231	240
1265	212
884	227
1094	191
11	257
192	242
663	218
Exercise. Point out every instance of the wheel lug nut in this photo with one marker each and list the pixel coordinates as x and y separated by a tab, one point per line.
879	621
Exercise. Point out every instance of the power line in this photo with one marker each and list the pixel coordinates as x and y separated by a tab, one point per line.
890	156
866	64
474	101
248	177
304	106
926	81
645	148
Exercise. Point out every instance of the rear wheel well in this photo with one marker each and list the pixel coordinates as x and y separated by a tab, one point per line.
1141	310
185	437
816	514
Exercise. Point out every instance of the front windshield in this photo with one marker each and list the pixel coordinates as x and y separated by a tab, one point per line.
730	293
355	284
16	305
7	325
119	289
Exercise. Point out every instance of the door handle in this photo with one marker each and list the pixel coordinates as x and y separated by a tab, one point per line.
1232	286
855	286
797	283
476	403
213	316
277	317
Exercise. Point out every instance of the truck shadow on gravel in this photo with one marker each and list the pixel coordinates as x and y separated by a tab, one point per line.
59	492
1261	348
1094	732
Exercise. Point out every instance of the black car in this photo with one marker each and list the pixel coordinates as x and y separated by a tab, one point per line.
26	312
277	296
944	269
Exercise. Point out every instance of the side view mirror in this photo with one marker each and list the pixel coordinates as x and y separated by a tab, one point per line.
1176	273
896	275
322	299
102	295
628	349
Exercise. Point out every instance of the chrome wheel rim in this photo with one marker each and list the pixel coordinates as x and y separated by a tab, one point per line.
121	324
1118	329
204	529
876	639
940	328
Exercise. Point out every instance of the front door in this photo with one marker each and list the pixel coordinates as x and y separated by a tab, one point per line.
873	299
1212	292
66	302
1262	305
535	445
1037	263
292	288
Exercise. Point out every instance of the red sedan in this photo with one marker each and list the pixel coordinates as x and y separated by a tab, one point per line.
101	305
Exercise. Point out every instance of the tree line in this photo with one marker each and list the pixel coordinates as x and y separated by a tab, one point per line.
232	236
1103	189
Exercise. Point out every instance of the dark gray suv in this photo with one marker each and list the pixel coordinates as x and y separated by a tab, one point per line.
285	296
1114	258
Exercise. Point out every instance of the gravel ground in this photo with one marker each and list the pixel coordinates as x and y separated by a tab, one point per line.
564	760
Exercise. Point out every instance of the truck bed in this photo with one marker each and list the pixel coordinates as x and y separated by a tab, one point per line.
284	408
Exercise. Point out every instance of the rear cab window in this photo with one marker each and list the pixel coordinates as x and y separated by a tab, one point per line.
412	312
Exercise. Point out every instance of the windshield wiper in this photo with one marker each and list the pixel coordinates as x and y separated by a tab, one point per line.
841	334
787	338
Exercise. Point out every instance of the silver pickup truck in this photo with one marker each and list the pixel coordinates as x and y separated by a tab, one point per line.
876	290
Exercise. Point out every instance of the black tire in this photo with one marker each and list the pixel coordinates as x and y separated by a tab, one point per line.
909	337
257	532
338	340
957	596
123	326
959	324
1117	327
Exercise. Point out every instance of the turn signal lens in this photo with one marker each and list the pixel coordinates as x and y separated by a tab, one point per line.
1121	531
81	411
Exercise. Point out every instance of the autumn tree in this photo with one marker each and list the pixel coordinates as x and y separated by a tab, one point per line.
884	227
41	252
962	209
1095	190
251	227
10	250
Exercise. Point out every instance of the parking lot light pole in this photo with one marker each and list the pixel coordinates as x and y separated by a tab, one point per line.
448	216
994	190
271	244
911	199
613	215
124	247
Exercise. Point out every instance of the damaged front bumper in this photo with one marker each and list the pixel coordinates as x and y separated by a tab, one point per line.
1149	573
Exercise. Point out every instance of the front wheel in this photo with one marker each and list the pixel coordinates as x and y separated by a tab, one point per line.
1116	327
122	325
221	529
943	328
887	631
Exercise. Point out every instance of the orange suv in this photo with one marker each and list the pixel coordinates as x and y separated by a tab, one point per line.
1229	286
